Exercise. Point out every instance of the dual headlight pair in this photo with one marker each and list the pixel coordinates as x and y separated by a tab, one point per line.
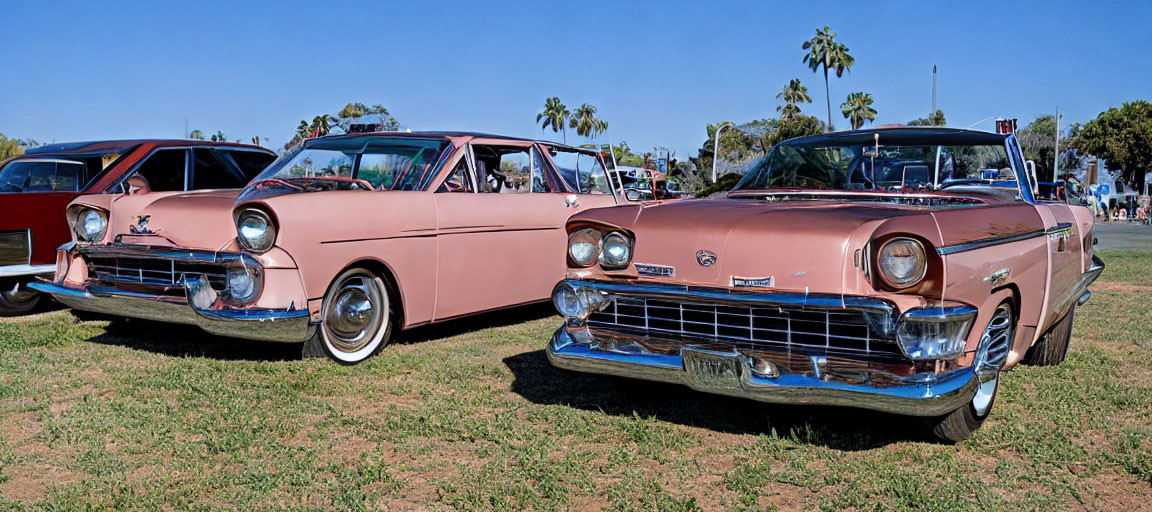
588	246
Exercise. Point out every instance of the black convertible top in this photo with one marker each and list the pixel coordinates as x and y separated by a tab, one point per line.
904	135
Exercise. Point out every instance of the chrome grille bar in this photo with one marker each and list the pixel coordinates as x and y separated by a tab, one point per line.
819	330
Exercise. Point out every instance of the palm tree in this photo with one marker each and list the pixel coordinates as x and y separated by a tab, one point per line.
321	124
824	51
793	94
858	108
555	114
303	130
196	135
585	122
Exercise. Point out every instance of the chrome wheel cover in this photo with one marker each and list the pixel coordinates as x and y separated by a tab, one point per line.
990	357
18	294
356	313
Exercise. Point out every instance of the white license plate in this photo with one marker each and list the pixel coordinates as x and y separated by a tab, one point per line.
708	370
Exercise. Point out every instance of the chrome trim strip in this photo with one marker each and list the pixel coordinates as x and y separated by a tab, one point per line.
287	325
728	295
988	242
940	395
27	270
1058	228
1079	294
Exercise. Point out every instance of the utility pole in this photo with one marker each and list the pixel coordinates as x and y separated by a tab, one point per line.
185	127
1056	156
933	90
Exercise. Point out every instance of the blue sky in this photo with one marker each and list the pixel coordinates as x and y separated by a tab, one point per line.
658	71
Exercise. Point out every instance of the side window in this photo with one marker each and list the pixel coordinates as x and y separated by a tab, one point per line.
164	170
250	163
503	169
539	181
582	171
208	172
460	179
68	176
40	176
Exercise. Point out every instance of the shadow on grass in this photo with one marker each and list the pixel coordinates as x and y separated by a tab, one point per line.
835	427
188	341
464	325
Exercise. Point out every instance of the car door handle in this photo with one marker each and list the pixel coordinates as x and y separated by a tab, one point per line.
571	201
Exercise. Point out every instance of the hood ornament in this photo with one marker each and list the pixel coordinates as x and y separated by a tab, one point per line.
141	227
705	258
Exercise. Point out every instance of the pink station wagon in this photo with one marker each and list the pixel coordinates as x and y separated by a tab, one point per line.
340	242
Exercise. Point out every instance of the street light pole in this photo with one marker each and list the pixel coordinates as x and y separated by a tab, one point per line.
716	146
1056	157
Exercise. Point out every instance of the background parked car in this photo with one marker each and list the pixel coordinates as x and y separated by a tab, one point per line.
35	188
342	241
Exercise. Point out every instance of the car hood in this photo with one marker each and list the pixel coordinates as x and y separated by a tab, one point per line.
197	220
801	246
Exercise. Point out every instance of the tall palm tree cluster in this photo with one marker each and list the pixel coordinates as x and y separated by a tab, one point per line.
557	116
825	53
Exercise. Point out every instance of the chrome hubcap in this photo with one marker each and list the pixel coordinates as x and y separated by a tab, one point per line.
990	357
355	313
18	293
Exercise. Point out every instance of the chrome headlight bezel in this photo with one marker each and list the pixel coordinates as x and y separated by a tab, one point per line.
254	242
588	239
87	218
919	267
616	250
246	294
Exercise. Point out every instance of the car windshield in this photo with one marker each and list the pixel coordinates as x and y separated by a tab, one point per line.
877	167
387	163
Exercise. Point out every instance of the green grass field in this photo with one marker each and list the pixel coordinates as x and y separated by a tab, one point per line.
471	416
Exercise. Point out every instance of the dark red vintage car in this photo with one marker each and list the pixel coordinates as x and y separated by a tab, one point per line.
36	187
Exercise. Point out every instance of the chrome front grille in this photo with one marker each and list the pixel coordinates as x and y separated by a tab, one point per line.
781	328
154	271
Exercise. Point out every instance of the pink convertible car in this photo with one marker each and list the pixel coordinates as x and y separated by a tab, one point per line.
339	242
900	270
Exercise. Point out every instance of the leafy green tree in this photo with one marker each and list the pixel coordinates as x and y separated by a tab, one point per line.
1123	138
196	135
1038	140
585	122
625	156
219	136
792	96
858	108
824	52
10	147
357	110
799	126
555	114
934	119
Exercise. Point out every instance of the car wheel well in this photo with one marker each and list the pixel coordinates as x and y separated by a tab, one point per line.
1015	296
390	284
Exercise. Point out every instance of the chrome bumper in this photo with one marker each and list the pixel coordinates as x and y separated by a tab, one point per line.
200	307
26	270
933	395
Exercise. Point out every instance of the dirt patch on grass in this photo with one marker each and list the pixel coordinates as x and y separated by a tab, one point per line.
1122	288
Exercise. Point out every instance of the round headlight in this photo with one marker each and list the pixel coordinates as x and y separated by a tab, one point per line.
584	247
617	250
91	225
902	262
254	230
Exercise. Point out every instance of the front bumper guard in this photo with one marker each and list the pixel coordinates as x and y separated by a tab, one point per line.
201	307
937	395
